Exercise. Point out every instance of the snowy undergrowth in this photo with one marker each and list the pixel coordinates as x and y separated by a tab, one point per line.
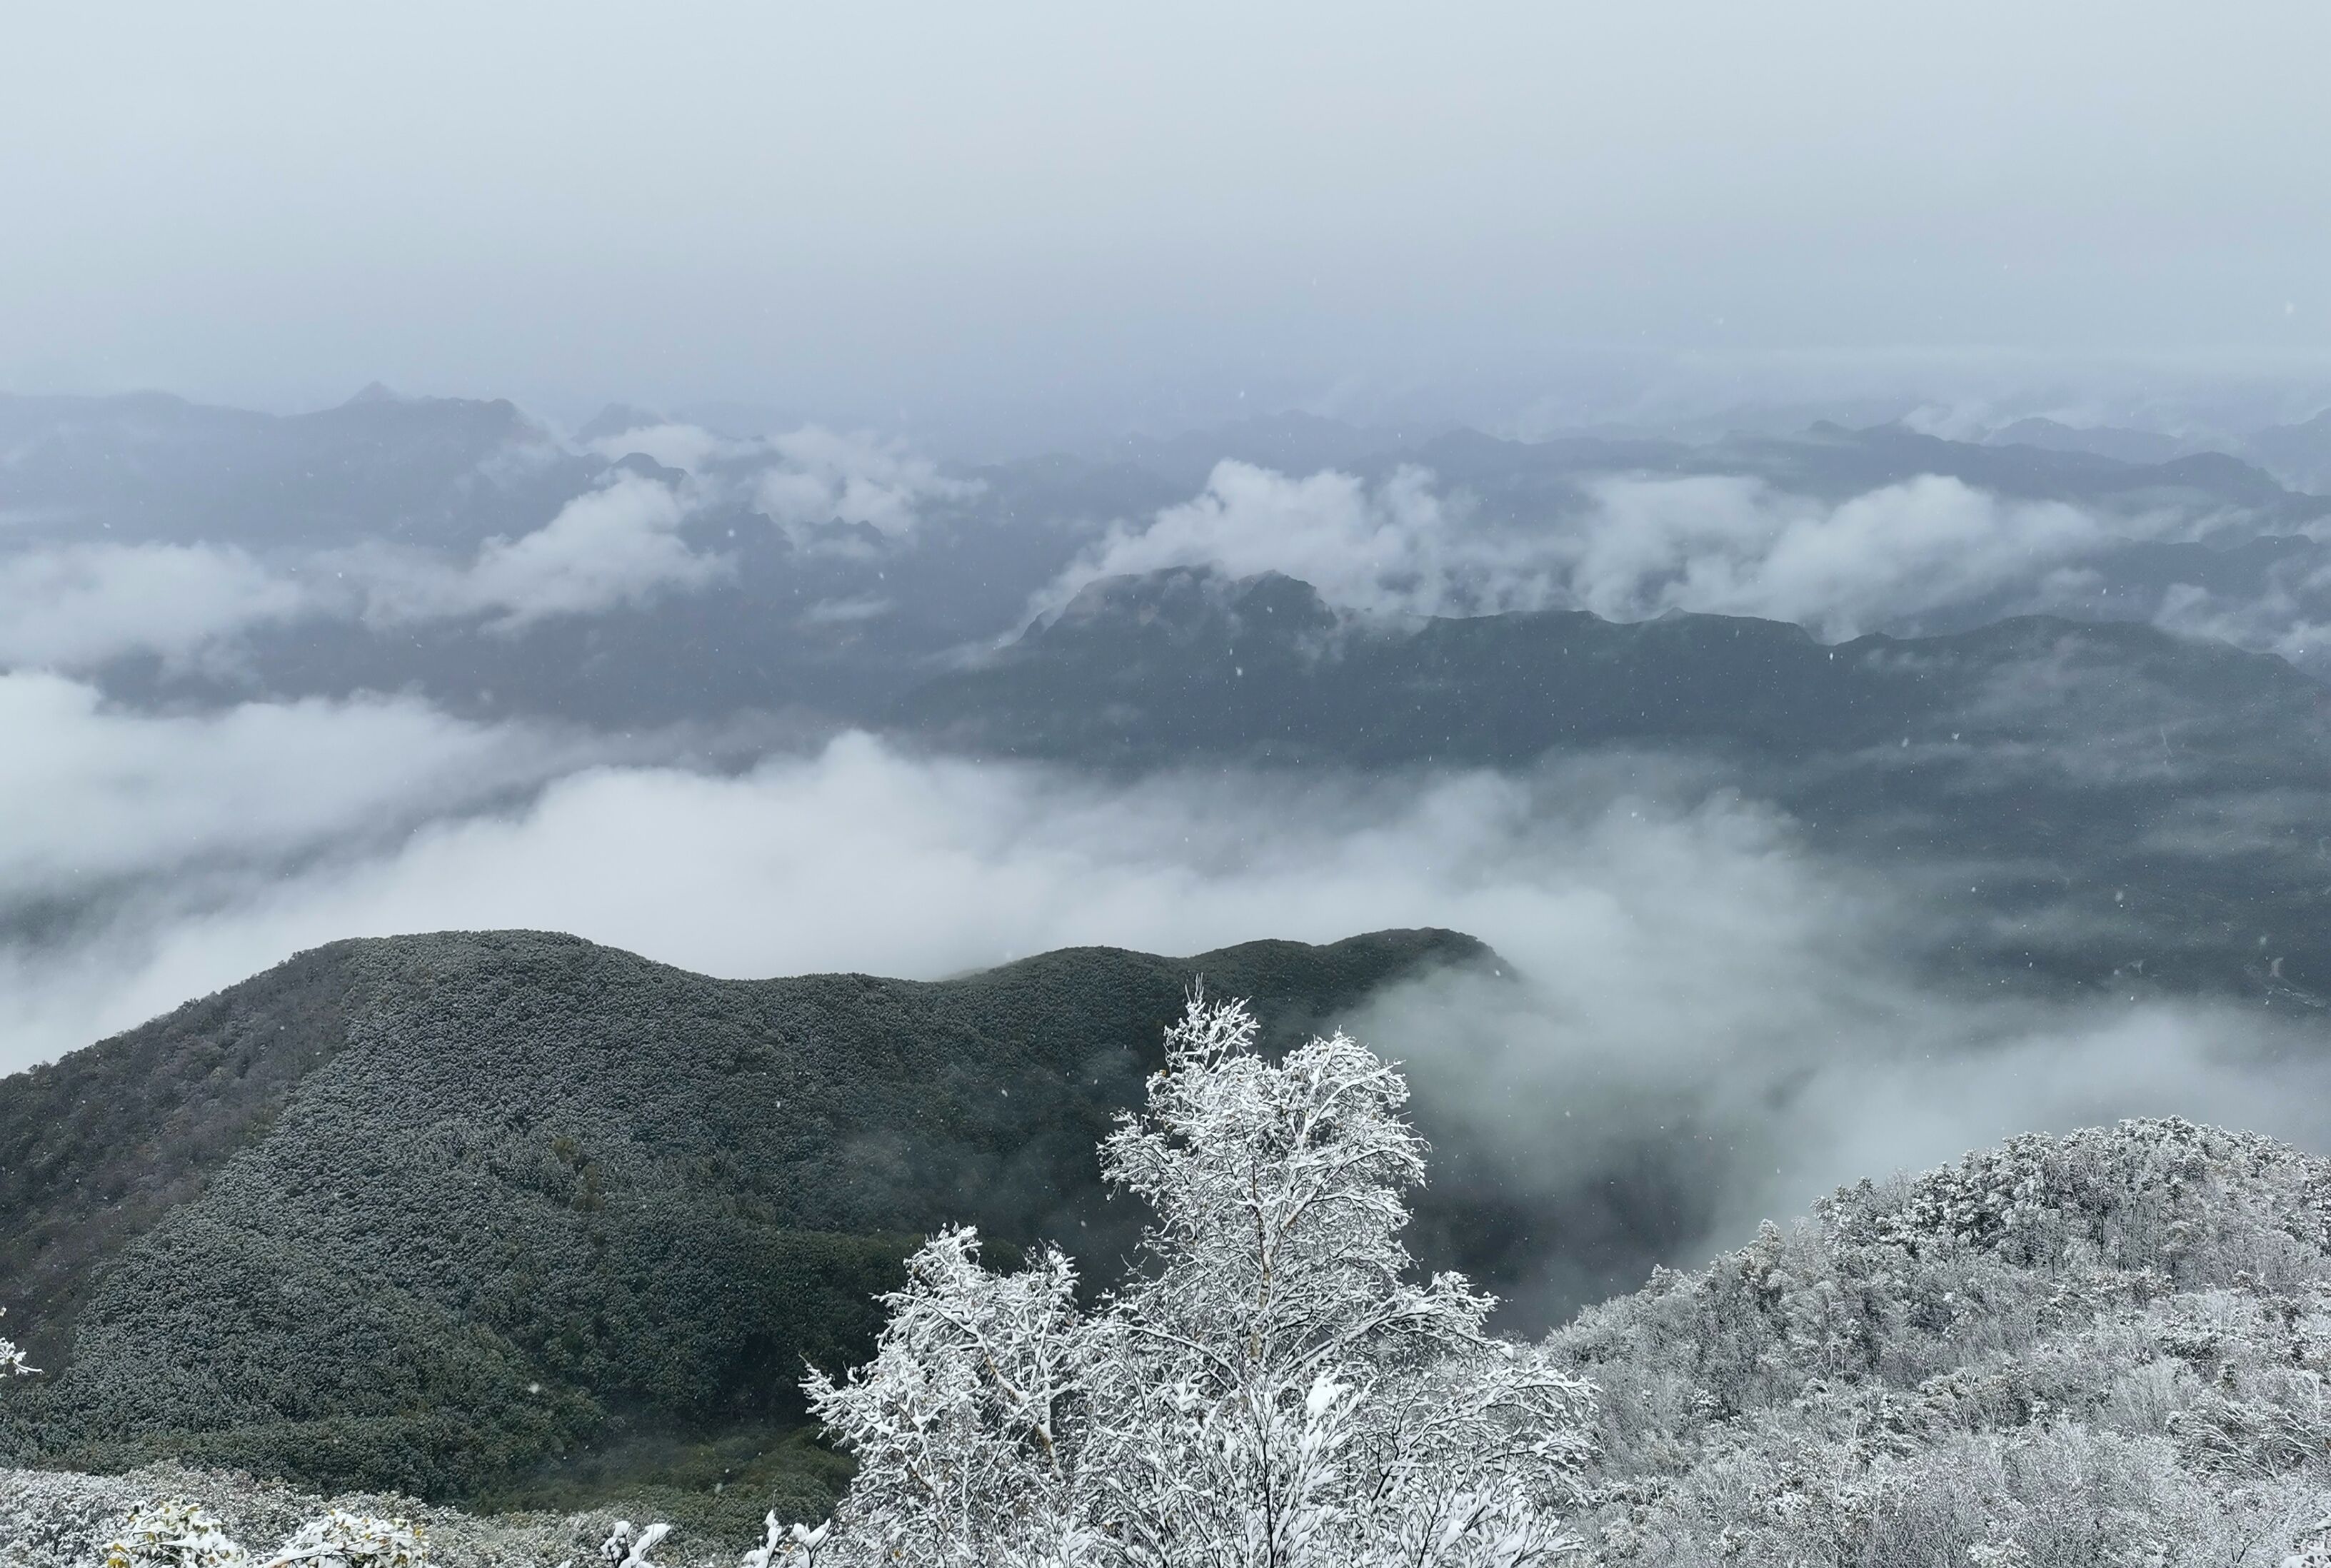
60	1520
2106	1348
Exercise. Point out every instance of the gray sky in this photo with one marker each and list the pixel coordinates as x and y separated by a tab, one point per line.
988	217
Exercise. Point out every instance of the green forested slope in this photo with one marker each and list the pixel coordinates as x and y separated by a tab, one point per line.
442	1212
2120	795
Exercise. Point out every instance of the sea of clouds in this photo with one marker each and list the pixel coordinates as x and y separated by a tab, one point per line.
1631	548
75	606
1690	1000
1682	980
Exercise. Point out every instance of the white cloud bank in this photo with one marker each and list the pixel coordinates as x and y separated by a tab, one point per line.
613	546
1398	547
91	793
1638	547
79	605
1694	979
803	479
1733	546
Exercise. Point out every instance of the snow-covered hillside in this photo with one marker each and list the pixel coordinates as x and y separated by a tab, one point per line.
2107	1348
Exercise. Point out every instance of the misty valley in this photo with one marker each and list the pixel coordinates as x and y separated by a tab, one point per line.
1300	992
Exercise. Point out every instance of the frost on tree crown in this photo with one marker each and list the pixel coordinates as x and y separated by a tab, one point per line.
1270	1389
1276	1191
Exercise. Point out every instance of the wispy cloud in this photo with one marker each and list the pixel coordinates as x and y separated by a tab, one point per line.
79	606
805	479
1628	548
823	477
619	543
1736	545
1696	1006
616	544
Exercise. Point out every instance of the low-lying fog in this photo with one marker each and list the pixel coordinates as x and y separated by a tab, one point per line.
1691	1001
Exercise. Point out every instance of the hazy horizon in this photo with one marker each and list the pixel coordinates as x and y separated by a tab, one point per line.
999	231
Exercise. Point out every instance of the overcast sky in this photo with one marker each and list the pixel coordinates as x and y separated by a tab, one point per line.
934	214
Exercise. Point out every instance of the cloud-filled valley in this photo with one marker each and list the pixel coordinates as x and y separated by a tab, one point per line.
1830	802
1628	548
407	535
1700	1004
635	682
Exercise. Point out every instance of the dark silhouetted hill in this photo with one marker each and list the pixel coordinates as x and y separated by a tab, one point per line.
448	1213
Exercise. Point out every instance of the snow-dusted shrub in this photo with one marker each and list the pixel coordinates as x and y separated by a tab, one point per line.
630	1545
66	1519
796	1543
2106	1348
174	1535
177	1533
1270	1388
345	1540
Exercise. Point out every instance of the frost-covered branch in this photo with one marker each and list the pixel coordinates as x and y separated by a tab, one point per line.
12	1360
961	1420
1270	1390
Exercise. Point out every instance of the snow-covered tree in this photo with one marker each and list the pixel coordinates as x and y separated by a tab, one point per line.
1295	1397
966	1425
1272	1388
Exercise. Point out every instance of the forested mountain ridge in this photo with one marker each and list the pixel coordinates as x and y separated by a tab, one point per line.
2116	795
337	523
434	1212
1139	669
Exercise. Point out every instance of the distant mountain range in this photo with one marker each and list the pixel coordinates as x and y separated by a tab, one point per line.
837	620
436	471
2124	801
2300	454
2112	795
2122	446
